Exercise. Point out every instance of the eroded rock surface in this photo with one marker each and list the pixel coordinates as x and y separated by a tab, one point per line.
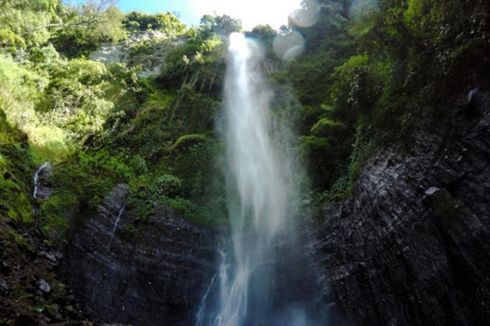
412	245
152	274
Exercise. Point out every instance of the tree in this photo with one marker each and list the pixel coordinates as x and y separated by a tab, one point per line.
83	29
165	22
264	33
220	25
25	23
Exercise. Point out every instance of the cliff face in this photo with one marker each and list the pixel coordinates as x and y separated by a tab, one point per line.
153	275
412	245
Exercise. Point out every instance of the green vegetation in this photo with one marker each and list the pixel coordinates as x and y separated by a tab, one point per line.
102	124
370	73
15	167
371	68
166	23
365	77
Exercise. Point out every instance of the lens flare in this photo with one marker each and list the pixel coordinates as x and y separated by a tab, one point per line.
307	15
362	8
289	46
251	12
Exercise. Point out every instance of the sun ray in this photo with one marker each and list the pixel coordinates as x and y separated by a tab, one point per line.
250	12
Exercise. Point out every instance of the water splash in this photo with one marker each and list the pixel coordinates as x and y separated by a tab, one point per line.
256	176
261	204
116	223
472	94
36	178
201	313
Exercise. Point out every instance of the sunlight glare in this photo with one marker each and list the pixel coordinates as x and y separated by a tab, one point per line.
288	46
250	12
362	8
306	16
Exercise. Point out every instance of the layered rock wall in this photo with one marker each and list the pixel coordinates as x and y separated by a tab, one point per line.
154	274
412	245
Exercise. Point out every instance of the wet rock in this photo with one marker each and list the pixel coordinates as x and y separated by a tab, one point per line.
442	203
48	255
42	187
70	309
411	246
154	275
53	312
478	100
44	286
4	288
4	267
473	94
432	191
26	264
44	192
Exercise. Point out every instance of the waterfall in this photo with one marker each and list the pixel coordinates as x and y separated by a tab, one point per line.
256	174
116	224
261	204
36	178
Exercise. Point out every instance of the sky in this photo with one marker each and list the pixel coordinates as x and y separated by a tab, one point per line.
250	12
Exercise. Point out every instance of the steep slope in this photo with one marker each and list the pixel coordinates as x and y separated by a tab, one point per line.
31	292
152	272
411	246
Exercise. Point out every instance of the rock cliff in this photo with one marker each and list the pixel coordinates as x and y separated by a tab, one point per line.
152	274
412	244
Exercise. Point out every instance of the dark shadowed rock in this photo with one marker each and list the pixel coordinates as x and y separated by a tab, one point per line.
42	187
412	245
44	286
4	288
142	273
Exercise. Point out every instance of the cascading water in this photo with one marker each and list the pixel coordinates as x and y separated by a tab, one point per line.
116	223
35	178
254	279
256	173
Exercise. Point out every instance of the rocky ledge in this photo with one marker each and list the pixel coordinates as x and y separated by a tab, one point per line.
152	273
412	245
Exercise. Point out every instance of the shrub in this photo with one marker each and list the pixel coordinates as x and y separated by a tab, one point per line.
56	214
184	142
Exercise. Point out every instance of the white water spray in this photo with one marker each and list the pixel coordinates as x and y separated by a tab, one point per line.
116	223
256	174
253	281
36	178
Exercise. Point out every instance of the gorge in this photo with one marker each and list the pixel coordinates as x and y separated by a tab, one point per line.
334	171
